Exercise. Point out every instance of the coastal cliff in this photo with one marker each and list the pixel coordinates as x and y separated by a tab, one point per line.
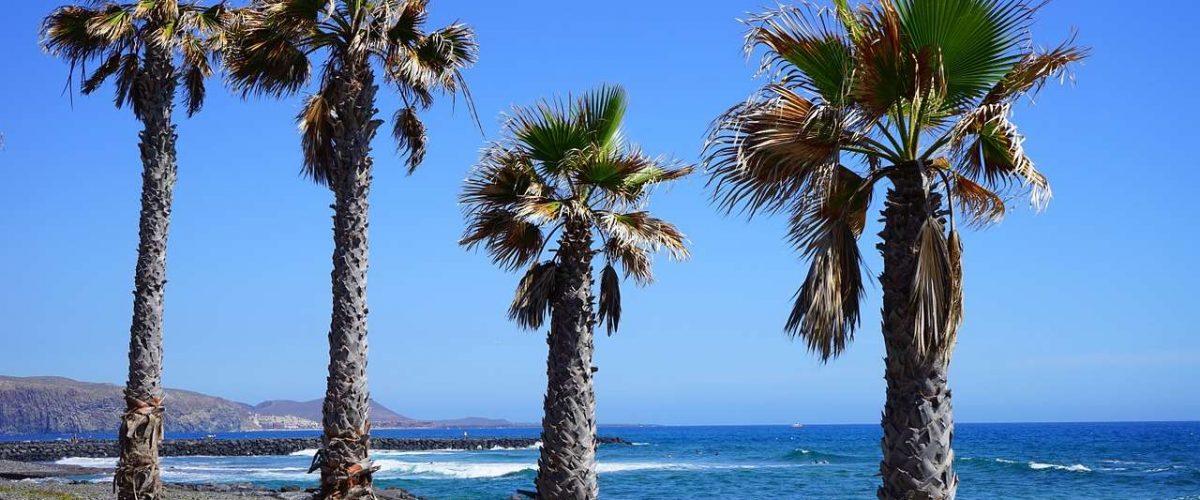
59	405
54	405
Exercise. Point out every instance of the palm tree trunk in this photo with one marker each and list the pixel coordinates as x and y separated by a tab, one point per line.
917	423
137	474
567	466
345	467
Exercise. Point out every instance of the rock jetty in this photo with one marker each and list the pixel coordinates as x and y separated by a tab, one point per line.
48	451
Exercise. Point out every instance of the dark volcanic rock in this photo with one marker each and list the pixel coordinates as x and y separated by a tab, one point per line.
48	451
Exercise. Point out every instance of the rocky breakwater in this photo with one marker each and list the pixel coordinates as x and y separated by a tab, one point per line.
48	451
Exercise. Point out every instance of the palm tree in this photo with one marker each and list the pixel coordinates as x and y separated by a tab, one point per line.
269	53
149	47
564	166
918	93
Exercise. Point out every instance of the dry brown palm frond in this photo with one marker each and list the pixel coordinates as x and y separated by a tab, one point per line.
317	121
511	241
884	72
932	292
110	66
540	210
979	205
1033	71
610	299
196	69
532	300
641	229
409	133
989	149
954	316
762	153
112	25
503	179
826	311
844	198
634	259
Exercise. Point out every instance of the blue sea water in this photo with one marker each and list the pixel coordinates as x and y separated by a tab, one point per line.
1011	461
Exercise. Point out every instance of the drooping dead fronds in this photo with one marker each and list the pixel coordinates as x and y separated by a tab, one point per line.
531	302
609	314
933	292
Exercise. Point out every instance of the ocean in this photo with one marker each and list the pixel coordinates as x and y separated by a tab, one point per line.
1145	460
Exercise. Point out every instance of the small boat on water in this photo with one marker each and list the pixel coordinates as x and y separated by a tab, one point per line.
797	425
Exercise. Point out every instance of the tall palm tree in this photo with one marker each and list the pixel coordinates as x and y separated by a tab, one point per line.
149	47
918	93
564	166
269	53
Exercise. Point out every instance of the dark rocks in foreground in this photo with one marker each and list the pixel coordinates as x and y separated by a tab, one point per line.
26	490
25	470
48	451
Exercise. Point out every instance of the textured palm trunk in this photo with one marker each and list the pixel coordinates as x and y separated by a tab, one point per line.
137	474
345	467
917	422
567	466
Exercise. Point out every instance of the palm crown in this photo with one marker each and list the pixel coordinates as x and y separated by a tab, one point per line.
859	93
563	163
269	54
114	35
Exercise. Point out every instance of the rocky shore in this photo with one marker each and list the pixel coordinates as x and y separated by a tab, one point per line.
24	490
48	451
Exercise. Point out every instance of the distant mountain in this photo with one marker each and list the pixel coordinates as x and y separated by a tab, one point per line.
58	405
311	410
37	405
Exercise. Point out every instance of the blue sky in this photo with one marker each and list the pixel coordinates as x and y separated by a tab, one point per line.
1083	312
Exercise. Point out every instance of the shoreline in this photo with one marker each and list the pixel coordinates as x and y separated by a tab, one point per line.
26	490
49	451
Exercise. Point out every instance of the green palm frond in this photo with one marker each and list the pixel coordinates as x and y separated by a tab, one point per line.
978	41
599	114
562	164
547	134
807	48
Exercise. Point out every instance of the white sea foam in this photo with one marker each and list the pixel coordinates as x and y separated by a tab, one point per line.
475	470
1071	468
461	470
401	453
103	463
628	466
533	446
308	452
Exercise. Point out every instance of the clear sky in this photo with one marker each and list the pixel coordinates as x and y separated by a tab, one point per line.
1084	312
